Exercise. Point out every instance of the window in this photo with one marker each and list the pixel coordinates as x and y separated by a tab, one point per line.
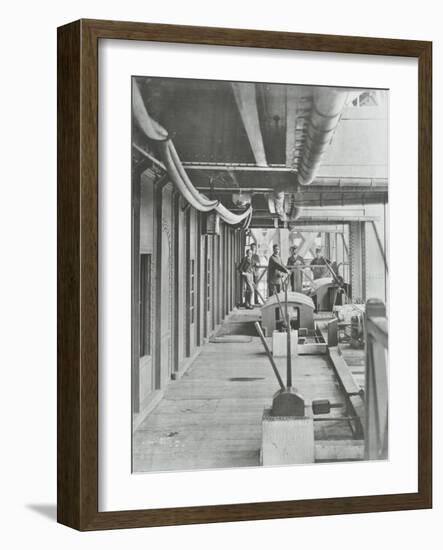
145	304
366	99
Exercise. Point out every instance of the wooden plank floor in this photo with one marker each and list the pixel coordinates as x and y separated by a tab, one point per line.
211	417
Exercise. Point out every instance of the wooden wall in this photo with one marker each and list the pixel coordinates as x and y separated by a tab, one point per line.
194	283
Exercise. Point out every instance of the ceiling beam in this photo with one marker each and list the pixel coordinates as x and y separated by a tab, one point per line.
269	222
245	97
240	167
313	192
329	199
327	219
319	228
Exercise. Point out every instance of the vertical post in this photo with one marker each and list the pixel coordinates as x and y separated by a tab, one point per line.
135	251
177	271
376	381
188	281
288	339
355	251
363	260
284	243
158	198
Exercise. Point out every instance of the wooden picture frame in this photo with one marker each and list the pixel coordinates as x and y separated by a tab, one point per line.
78	274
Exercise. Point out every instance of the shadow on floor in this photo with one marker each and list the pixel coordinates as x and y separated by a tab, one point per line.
49	511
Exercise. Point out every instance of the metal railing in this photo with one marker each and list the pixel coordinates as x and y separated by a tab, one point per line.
307	275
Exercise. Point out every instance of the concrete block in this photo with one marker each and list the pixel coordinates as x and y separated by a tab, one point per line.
279	343
287	440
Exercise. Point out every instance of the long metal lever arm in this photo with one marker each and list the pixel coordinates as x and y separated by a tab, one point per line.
269	354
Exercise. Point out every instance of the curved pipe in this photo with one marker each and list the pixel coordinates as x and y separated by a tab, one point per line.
276	205
154	131
191	194
279	205
199	202
295	212
184	176
326	111
233	219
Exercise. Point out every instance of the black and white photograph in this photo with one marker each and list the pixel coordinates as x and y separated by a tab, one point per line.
260	261
220	284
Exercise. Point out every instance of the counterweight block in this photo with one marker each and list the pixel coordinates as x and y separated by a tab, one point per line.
288	402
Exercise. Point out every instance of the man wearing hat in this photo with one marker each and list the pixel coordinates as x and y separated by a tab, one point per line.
246	271
275	270
319	260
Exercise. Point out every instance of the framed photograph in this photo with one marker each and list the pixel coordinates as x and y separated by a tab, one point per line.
244	275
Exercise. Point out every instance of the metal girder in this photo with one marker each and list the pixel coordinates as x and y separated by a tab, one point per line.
318	228
312	191
355	256
236	167
380	246
306	244
309	198
318	219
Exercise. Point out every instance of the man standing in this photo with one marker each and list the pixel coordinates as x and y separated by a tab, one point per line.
319	260
246	270
255	258
295	260
275	270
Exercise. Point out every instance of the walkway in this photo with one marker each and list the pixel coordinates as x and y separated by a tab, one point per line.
211	417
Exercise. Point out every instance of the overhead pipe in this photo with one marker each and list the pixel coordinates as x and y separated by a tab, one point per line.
154	131
199	202
151	128
277	205
176	162
191	194
295	211
327	106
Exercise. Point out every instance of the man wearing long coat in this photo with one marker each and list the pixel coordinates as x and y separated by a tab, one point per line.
276	269
246	271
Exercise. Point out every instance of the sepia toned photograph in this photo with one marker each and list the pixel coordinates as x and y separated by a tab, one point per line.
260	261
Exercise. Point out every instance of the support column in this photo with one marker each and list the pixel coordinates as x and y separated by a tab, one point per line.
327	245
356	254
284	244
158	199
376	256
136	289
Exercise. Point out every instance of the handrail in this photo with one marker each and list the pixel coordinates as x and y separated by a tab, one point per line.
376	381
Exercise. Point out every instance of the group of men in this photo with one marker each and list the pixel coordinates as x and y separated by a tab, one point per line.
249	270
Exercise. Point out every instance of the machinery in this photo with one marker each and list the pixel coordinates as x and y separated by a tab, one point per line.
300	310
287	402
351	324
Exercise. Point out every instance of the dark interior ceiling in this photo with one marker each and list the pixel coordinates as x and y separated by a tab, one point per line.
203	119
